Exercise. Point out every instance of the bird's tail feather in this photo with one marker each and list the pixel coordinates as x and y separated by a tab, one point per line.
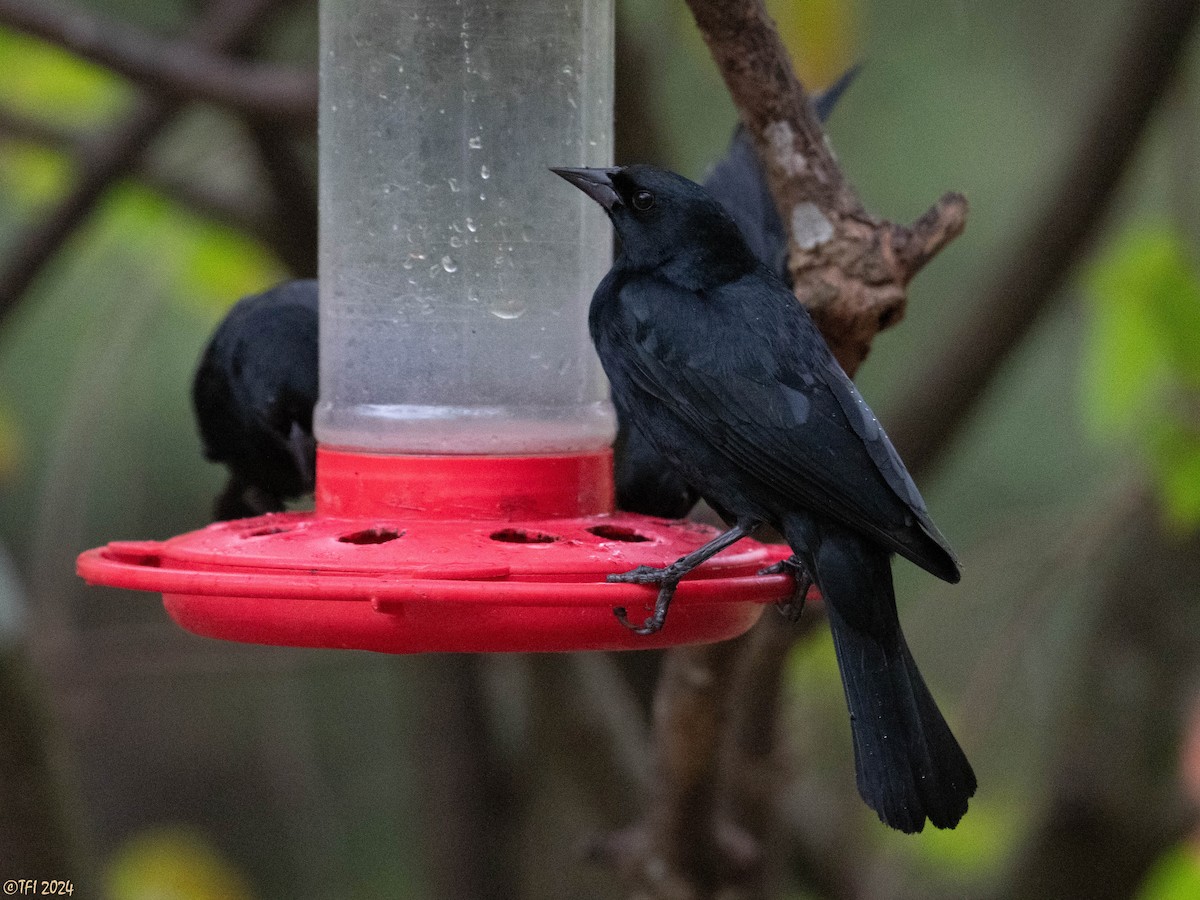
909	766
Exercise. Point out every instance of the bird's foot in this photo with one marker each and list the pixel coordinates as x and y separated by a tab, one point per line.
656	620
793	607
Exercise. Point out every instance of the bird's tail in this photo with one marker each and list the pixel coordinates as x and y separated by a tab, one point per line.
909	766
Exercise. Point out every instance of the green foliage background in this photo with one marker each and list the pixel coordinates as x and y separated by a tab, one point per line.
97	443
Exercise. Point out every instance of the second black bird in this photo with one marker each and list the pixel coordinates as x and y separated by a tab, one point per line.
253	396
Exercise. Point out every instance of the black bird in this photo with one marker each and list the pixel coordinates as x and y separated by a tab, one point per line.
645	483
253	395
710	356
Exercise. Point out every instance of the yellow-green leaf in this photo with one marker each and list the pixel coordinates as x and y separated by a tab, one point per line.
47	82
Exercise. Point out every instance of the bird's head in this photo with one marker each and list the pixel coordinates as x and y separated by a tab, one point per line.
667	222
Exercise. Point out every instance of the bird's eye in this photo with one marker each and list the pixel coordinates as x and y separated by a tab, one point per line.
643	200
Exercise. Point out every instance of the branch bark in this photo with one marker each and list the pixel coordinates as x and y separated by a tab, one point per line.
848	267
938	403
184	69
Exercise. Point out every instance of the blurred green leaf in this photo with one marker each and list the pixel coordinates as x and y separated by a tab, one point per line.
982	840
1175	456
1134	289
212	265
11	443
224	265
31	175
44	81
821	36
173	863
1141	368
1175	877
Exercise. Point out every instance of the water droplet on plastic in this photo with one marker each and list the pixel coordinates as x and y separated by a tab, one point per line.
526	235
475	143
449	264
571	102
508	309
484	173
456	241
471	226
455	187
473	295
566	70
482	196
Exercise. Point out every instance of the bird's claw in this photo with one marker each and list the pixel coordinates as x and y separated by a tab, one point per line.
650	626
793	607
662	602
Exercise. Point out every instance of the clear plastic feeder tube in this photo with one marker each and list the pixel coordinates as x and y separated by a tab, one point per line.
456	269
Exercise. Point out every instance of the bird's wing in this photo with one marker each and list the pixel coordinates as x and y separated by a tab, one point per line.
745	367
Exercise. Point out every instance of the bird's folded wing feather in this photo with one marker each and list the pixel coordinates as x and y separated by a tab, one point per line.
758	382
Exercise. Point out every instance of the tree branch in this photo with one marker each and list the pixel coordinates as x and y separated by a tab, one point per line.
849	268
684	849
938	403
225	24
293	223
239	212
183	69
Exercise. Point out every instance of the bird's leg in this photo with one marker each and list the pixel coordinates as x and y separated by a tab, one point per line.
668	577
793	607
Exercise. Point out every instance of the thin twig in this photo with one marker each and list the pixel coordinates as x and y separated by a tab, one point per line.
184	69
937	404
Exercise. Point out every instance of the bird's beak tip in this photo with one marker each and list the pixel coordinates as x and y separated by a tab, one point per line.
596	183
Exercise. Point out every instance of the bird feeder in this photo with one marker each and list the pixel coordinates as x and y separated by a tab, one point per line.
464	496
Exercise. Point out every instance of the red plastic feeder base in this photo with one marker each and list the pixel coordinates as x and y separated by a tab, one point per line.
418	554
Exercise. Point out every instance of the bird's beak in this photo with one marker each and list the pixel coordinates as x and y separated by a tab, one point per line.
596	183
303	449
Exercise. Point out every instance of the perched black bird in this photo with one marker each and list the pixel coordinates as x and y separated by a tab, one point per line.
645	483
254	394
724	373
